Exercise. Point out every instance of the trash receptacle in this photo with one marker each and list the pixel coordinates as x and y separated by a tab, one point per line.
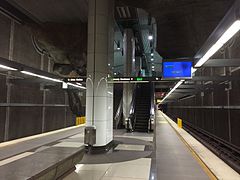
90	135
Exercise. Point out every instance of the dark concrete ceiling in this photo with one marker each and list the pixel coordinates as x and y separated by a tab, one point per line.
182	25
58	11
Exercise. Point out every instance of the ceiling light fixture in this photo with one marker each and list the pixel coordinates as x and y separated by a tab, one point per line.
150	37
173	89
7	68
231	31
40	76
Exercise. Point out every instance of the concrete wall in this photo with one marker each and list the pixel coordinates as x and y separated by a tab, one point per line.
16	122
223	123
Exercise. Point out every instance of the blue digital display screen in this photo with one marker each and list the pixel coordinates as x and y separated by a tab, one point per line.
177	69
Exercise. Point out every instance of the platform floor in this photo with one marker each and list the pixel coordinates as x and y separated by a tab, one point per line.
143	156
173	158
165	154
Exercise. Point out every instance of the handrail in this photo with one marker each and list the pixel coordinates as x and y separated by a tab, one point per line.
152	109
132	115
117	117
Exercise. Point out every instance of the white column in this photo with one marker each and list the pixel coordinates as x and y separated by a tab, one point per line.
99	103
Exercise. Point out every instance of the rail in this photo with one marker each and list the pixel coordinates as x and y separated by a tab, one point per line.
152	110
225	150
118	114
132	116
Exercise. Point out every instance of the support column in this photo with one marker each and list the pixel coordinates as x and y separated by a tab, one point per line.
99	102
129	69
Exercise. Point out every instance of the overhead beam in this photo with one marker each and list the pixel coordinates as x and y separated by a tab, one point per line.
185	90
215	78
12	10
163	86
222	63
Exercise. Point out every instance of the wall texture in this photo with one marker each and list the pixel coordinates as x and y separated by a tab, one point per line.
202	110
20	121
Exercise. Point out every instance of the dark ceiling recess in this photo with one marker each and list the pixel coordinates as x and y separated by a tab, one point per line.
127	17
11	11
182	25
66	11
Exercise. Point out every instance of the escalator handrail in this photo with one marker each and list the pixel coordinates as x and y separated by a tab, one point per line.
132	115
118	113
152	108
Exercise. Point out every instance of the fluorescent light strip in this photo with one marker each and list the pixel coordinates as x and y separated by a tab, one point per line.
77	86
52	79
234	28
40	76
173	89
7	68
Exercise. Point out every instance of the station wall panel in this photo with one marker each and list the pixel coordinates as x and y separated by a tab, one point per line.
221	124
29	94
235	125
2	122
54	118
24	121
5	25
24	51
55	97
3	89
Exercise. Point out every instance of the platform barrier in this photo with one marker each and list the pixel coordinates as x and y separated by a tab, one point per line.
80	120
179	122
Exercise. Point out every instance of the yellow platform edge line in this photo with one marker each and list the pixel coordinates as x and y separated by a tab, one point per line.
204	166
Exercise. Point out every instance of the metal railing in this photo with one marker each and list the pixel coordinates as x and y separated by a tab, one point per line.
118	114
152	110
130	124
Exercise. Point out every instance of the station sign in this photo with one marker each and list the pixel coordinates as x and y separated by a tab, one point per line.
77	79
133	79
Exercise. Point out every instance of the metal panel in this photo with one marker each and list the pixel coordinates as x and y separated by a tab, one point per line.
2	122
235	124
24	121
4	36
54	118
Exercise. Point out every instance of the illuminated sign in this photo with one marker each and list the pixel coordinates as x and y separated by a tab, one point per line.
133	79
177	69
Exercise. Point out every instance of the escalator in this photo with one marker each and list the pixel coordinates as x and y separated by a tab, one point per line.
142	107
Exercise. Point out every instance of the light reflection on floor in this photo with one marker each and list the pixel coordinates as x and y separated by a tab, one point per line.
130	170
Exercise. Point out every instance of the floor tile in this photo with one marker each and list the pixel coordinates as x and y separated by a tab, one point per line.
121	178
130	147
128	171
77	136
14	158
92	167
85	175
142	161
41	148
69	144
136	137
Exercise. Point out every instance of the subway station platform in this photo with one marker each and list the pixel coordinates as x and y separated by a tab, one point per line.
168	153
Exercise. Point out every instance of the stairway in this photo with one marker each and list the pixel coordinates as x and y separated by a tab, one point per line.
143	105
